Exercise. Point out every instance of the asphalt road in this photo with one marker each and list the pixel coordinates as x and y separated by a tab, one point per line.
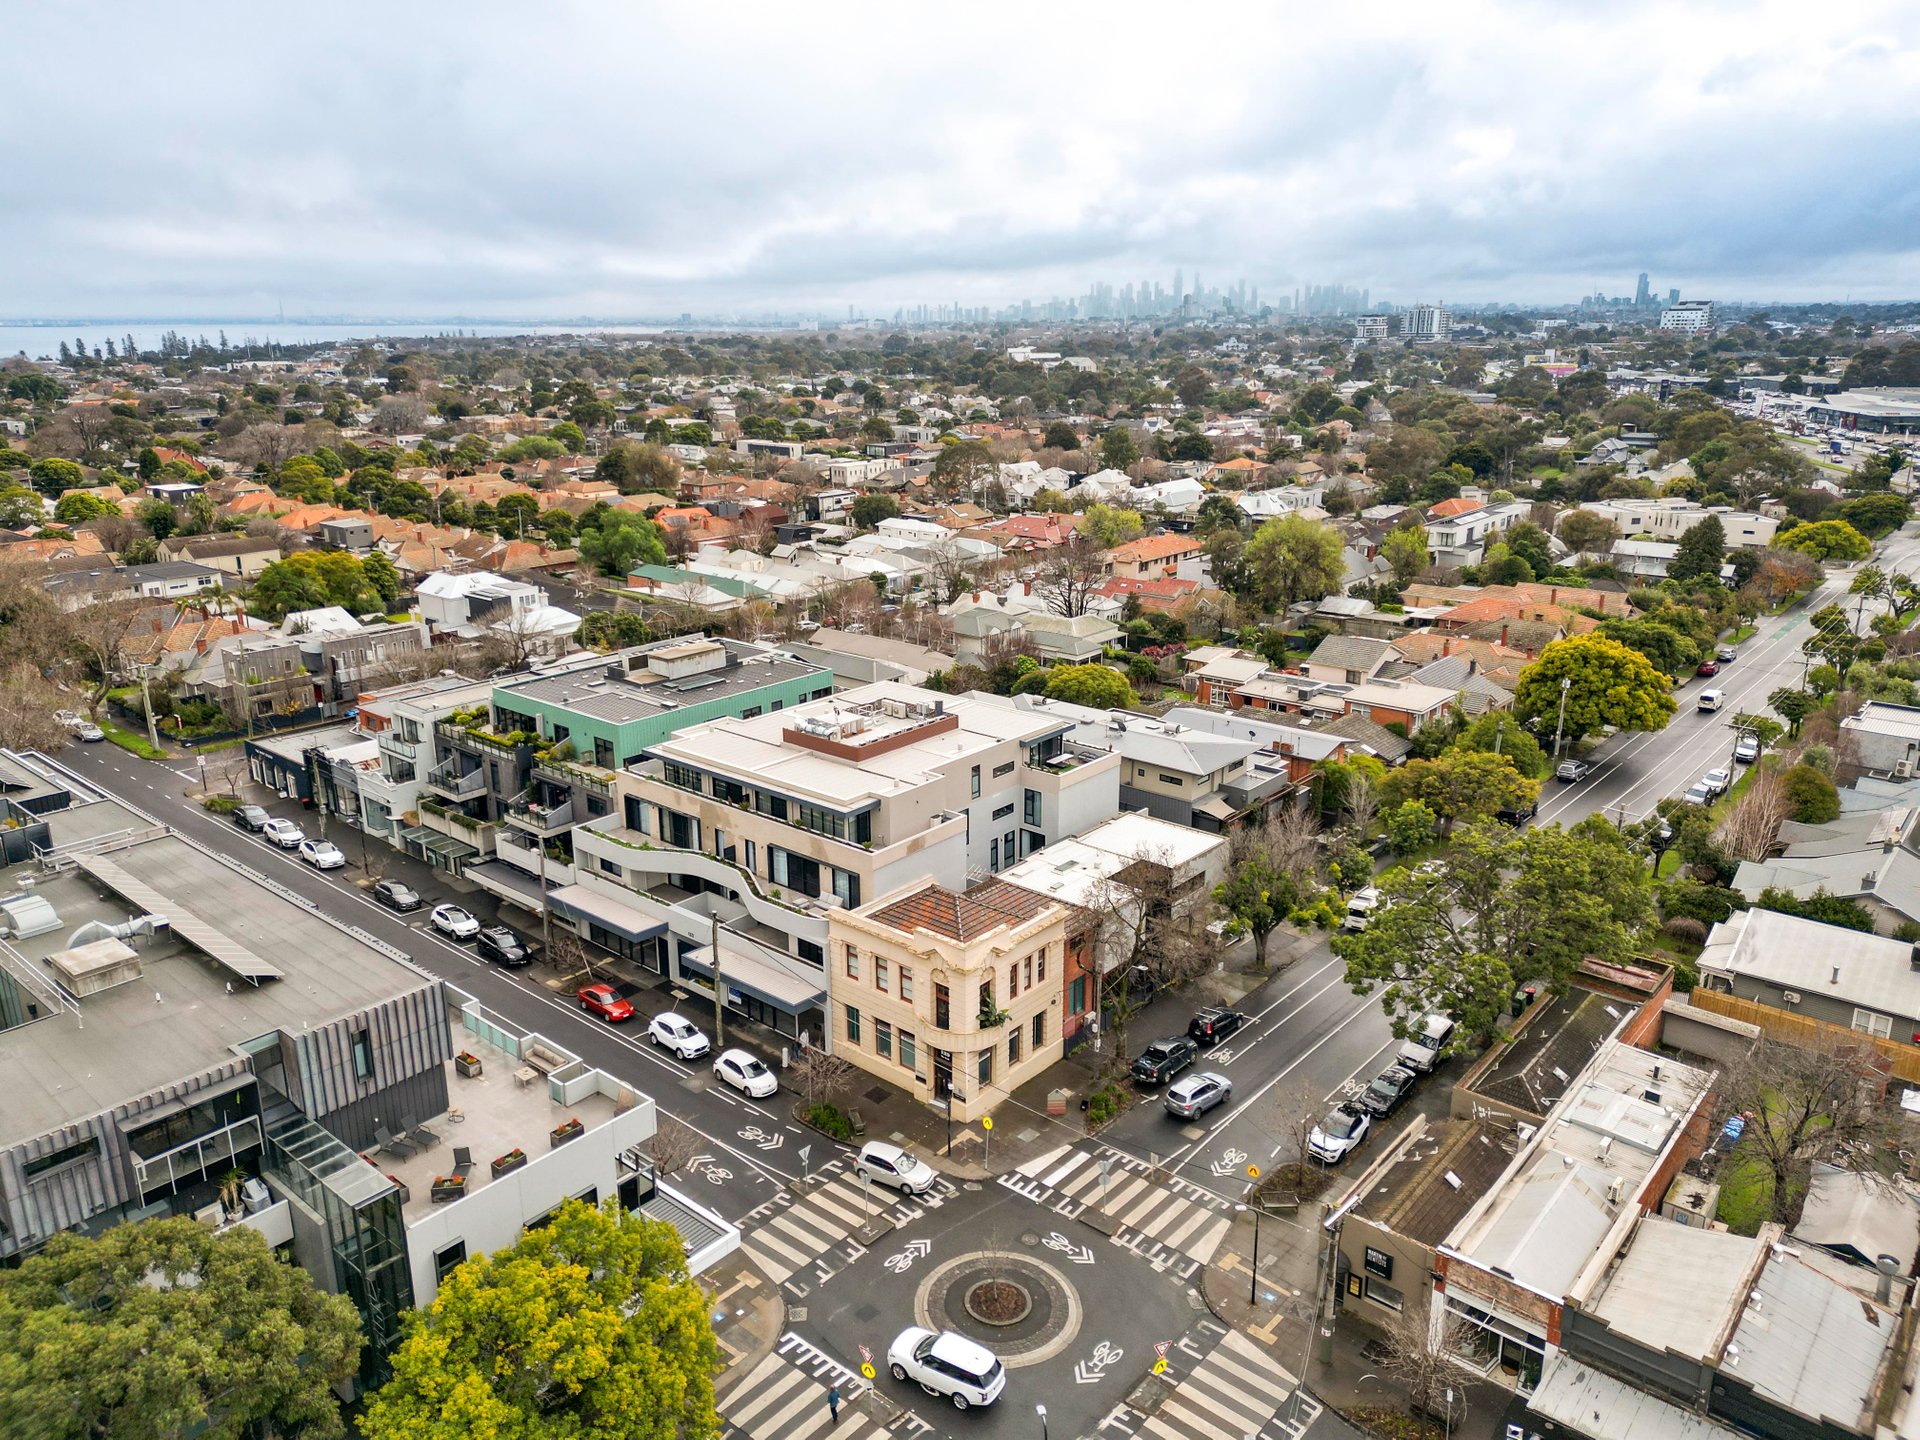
739	1173
1635	771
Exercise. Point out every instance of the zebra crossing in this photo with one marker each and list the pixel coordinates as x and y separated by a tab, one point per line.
792	1234
1159	1218
784	1397
1237	1388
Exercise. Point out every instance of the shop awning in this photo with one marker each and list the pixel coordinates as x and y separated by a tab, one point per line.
779	980
578	902
509	882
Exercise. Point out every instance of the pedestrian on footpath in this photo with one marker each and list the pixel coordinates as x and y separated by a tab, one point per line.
833	1404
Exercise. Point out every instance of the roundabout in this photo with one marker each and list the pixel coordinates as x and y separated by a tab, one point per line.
1022	1308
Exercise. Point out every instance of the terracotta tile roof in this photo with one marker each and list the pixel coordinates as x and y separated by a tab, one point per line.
1043	529
963	917
1149	548
1447	509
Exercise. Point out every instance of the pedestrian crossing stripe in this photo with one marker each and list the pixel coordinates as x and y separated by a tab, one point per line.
786	1239
777	1400
1236	1390
1171	1212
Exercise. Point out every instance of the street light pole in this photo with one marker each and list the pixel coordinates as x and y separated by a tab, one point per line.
1560	725
1041	1411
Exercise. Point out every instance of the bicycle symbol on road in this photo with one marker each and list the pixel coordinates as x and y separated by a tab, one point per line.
752	1133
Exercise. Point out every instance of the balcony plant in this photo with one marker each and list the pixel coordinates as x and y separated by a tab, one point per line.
561	1134
447	1187
992	1015
467	1064
506	1164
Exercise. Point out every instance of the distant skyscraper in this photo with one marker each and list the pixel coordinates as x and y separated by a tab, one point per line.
1179	285
1640	295
1673	297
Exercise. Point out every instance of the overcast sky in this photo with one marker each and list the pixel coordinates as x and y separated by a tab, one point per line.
616	160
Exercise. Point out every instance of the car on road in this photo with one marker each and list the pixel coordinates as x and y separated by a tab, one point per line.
1162	1060
1360	909
87	732
397	895
1746	749
1421	1050
1697	794
1214	1024
1711	700
1707	667
1516	818
1339	1134
284	833
886	1164
500	945
454	920
1192	1097
251	817
947	1365
1725	654
68	718
606	1002
322	854
1388	1091
1718	781
678	1034
1572	770
745	1073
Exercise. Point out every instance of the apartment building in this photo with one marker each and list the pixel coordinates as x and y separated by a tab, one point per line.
1671	516
1688	317
955	996
226	1026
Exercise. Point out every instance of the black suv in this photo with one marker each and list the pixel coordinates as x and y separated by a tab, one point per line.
1214	1024
1162	1060
251	817
1389	1090
501	945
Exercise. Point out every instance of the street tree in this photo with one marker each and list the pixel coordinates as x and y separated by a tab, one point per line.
1461	785
1117	449
1586	533
167	1328
1293	558
1500	733
1269	874
1701	552
1671	653
674	1143
1825	540
1793	706
589	1328
1606	683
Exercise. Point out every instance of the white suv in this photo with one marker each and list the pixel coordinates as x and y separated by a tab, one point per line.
943	1363
890	1165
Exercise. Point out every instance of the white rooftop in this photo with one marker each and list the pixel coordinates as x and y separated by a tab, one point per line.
1873	971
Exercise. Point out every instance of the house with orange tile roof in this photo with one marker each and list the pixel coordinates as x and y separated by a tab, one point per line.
168	455
256	502
1027	532
1474	615
1163	594
85	545
308	517
1151	556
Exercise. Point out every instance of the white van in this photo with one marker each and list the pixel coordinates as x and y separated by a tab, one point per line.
1712	699
1421	1050
1360	909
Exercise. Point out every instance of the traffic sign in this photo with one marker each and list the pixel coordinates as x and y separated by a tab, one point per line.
866	1354
986	1122
1160	1348
867	1370
1253	1172
1160	1367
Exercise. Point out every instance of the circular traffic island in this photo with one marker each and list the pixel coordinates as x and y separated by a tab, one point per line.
1021	1308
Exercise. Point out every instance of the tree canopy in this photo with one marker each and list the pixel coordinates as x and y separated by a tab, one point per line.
1293	558
1099	686
1700	552
622	540
165	1328
1825	540
1611	685
1461	785
588	1329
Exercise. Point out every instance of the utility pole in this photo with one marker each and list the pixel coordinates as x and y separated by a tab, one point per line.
1560	725
719	987
146	704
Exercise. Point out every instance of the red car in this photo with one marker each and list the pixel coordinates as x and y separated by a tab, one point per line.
1708	667
605	1001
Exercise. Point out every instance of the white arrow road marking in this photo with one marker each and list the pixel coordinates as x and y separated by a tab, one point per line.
1079	1254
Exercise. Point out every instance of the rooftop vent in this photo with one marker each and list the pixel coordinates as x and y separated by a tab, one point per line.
26	915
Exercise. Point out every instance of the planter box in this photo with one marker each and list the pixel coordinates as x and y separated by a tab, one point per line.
561	1134
468	1067
447	1187
507	1164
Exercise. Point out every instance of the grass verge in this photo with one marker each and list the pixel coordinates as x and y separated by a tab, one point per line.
128	740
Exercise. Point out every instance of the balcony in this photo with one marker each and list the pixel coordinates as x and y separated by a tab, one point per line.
448	781
541	819
570	775
481	742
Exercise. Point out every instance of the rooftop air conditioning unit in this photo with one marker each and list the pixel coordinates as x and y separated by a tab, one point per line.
1791	997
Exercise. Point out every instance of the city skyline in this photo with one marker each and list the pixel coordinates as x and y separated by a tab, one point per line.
378	163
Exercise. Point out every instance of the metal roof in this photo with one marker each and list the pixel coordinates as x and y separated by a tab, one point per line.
189	927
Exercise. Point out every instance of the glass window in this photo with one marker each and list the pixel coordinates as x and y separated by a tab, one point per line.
66	1154
1013	980
1000	772
363	1054
1013	1047
1039	1029
1008	847
906	983
883	1039
683	777
1077	995
880	976
853	963
447	1259
976	782
993	856
1872	1023
1382	1293
1173	780
1003	811
846	885
985	1069
1043	973
853	1026
909	1050
1031	816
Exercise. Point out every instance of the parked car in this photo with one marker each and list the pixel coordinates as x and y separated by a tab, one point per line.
1339	1134
1519	817
1572	770
322	854
68	718
886	1164
1698	794
1360	909
1421	1050
87	732
1389	1091
606	1002
1718	781
678	1034
397	895
1707	667
949	1365
745	1073
500	945
1746	749
1214	1024
454	920
1194	1096
284	833
251	817
1725	654
1162	1060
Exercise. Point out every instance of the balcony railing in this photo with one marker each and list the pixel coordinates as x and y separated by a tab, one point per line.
479	740
447	780
541	819
575	777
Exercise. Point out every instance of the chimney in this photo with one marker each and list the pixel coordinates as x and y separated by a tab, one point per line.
1553	595
1027	586
1446	647
1503	632
1888	1266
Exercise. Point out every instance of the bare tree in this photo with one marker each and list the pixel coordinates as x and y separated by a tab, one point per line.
949	570
27	703
1753	824
266	445
400	415
823	1077
1424	1364
97	637
1823	1103
510	642
1150	934
1361	802
1069	574
674	1143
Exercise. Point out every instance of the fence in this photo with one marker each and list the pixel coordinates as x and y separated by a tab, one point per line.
1902	1061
